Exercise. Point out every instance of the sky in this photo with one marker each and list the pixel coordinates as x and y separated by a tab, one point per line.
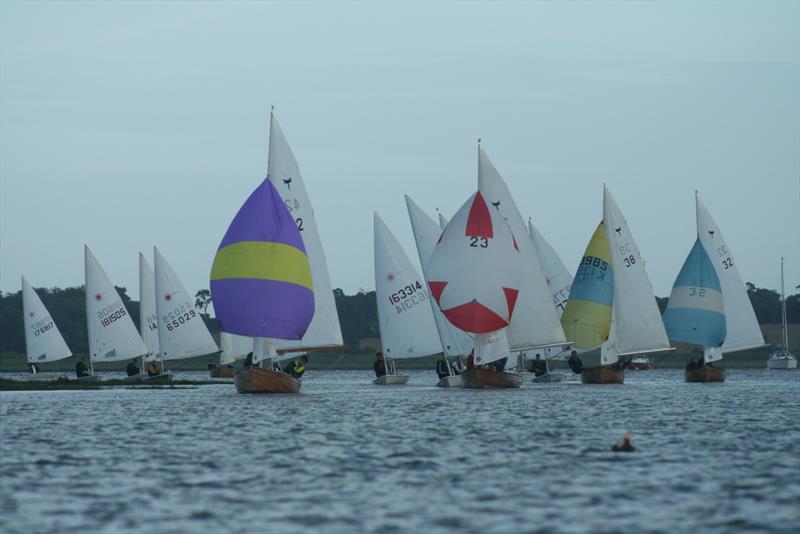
129	125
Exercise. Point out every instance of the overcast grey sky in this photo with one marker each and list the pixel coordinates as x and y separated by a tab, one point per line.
128	125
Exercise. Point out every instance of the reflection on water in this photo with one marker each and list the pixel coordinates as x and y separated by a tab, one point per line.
347	456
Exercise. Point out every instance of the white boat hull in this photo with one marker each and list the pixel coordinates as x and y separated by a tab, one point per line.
390	380
453	381
782	362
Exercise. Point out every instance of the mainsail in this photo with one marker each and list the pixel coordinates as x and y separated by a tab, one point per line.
455	342
558	278
112	334
407	325
284	173
742	330
43	341
535	322
261	279
637	319
148	317
181	330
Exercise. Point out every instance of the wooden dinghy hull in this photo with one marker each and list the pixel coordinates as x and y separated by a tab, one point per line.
604	374
705	374
258	380
390	380
452	381
222	372
486	378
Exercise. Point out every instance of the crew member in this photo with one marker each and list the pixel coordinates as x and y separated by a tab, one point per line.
152	369
80	369
575	363
441	368
380	365
624	445
132	369
538	366
299	366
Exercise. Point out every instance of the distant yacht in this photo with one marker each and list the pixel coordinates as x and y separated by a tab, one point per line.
782	359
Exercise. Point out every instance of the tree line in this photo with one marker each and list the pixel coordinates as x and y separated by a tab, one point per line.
358	314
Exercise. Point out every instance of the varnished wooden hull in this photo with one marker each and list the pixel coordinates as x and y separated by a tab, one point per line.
258	380
486	378
602	375
221	372
390	380
705	374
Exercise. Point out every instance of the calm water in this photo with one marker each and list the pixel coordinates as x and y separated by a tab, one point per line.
347	456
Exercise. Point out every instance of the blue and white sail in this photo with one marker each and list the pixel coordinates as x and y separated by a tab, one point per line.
696	312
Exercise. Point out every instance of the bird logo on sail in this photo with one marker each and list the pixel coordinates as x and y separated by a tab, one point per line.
288	182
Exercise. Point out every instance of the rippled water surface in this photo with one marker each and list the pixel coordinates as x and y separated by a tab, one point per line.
347	456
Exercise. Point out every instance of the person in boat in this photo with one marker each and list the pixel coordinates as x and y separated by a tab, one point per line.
33	368
538	366
691	364
575	363
298	367
624	445
621	364
441	368
471	360
500	365
80	369
132	369
380	365
211	365
152	369
457	366
248	361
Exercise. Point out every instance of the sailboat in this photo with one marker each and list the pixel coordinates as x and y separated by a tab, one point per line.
324	333
262	287
559	281
112	334
181	330
782	359
711	307
475	273
455	343
43	341
611	304
535	324
234	348
148	316
407	326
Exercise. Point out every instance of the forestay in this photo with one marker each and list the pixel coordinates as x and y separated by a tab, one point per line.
112	334
455	342
637	319
148	317
181	330
43	342
558	278
407	325
536	322
476	270
284	173
742	330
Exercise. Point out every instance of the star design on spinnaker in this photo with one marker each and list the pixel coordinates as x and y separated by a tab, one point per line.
711	233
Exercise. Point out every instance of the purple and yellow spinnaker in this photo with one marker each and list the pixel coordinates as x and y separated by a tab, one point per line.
261	279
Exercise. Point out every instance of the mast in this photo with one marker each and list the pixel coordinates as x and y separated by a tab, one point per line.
783	313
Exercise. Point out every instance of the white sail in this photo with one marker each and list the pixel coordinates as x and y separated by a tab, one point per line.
234	347
475	273
112	334
535	321
43	341
284	173
558	278
148	319
742	327
637	324
181	330
407	325
442	221
455	342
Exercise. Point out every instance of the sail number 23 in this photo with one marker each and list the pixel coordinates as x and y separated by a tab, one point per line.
475	241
